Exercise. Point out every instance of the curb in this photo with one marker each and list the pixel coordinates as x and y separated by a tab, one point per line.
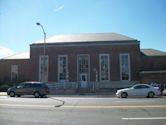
3	93
83	96
75	95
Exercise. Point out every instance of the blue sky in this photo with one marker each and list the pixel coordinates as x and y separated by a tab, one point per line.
144	20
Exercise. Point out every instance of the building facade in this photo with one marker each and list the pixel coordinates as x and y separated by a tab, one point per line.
105	60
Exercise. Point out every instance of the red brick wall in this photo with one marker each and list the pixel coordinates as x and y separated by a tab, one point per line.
153	77
93	51
29	68
150	63
153	63
24	69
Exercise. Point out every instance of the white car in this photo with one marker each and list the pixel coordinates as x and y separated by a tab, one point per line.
144	90
164	92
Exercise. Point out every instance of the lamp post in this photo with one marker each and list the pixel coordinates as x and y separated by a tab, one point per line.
44	67
38	24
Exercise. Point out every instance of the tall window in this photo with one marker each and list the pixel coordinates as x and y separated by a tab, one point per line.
14	73
104	67
43	68
125	67
62	68
83	65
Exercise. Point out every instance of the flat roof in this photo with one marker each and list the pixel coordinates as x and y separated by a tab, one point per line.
152	52
23	55
153	72
93	37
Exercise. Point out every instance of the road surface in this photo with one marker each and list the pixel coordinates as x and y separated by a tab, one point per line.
82	111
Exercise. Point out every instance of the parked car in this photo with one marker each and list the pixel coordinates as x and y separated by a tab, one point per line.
164	92
144	90
155	85
38	89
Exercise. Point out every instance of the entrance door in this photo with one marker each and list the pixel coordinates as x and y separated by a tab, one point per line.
84	80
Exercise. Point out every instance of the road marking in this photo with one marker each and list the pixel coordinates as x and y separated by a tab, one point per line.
134	101
116	107
146	118
24	105
84	106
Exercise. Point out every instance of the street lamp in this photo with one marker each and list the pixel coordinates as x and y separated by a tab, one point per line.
44	67
38	24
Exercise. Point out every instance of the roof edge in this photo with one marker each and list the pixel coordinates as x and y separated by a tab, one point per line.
18	56
150	72
86	37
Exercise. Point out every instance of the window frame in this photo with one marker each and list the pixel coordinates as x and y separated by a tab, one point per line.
108	56
66	77
78	70
129	66
47	65
14	71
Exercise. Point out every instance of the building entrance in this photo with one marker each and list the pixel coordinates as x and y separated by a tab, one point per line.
83	80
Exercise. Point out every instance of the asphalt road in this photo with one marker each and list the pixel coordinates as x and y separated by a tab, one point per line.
82	111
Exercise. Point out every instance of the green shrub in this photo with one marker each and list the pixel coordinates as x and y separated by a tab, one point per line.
4	87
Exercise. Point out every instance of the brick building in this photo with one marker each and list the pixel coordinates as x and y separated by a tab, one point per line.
102	60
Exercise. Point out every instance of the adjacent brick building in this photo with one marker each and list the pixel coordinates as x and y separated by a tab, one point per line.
102	60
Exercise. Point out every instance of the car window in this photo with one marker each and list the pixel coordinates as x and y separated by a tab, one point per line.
27	85
20	86
44	85
145	87
35	85
138	87
141	87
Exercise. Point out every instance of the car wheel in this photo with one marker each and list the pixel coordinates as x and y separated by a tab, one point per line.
36	94
124	95
43	96
18	95
12	94
151	94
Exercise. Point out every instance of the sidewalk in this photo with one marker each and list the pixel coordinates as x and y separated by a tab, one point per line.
103	94
86	95
3	93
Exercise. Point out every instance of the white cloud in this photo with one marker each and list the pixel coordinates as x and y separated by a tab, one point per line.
59	8
4	52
